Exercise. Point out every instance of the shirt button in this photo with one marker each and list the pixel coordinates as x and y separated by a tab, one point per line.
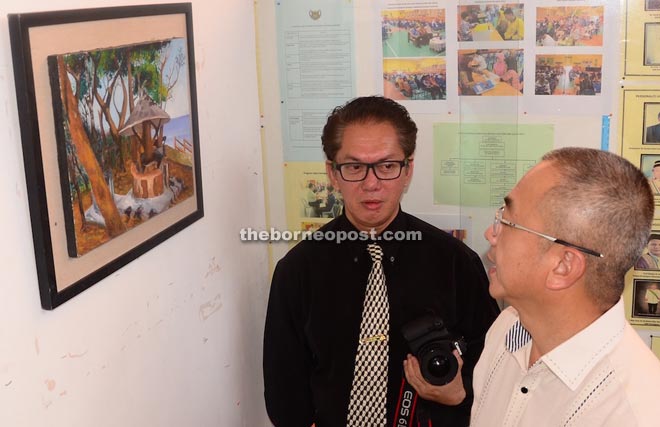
392	258
355	259
524	390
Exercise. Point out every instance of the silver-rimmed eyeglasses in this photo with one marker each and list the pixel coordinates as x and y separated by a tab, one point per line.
356	171
497	226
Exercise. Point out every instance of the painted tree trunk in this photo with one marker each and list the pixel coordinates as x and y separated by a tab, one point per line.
113	223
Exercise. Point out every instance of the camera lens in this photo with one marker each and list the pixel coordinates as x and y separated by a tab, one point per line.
439	366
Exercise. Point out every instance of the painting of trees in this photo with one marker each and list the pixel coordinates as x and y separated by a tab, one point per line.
118	167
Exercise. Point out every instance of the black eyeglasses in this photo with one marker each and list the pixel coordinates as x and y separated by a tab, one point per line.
499	220
355	171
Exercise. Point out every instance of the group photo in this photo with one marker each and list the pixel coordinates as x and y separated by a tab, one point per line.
568	74
415	79
569	26
413	33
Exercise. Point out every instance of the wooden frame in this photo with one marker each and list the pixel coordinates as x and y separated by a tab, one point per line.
108	116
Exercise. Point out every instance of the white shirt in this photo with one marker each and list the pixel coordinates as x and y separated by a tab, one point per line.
605	375
652	295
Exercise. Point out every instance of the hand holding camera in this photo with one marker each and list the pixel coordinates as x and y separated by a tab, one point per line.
434	370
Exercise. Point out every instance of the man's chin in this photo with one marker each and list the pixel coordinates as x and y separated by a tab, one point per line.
496	291
369	221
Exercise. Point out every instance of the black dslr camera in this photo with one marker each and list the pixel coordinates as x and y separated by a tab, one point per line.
432	344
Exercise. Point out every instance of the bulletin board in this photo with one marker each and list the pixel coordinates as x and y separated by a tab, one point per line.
488	102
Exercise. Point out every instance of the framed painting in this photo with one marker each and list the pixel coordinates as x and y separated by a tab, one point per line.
108	116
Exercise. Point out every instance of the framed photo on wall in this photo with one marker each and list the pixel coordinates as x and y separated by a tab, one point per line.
651	123
108	116
646	294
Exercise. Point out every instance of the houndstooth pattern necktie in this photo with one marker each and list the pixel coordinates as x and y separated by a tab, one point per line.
366	407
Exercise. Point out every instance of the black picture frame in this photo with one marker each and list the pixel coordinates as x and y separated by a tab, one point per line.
35	37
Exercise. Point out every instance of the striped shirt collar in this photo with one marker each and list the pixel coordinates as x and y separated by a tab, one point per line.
517	337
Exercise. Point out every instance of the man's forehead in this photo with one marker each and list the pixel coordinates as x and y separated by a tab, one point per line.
533	185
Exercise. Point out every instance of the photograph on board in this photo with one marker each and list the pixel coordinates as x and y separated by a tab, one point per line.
650	165
490	72
569	26
652	43
651	123
652	5
568	74
490	22
646	295
415	79
320	199
413	33
650	258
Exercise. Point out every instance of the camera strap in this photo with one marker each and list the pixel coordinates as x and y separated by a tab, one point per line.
405	407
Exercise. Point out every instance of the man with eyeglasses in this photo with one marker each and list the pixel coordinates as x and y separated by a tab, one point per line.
562	353
313	324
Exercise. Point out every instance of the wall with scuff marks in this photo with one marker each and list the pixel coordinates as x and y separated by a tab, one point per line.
173	338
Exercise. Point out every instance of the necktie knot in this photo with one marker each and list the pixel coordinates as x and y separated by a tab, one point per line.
375	251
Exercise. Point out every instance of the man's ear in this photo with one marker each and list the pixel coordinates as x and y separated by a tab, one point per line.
331	174
569	267
408	171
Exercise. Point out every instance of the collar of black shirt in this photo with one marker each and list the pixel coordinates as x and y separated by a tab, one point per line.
357	249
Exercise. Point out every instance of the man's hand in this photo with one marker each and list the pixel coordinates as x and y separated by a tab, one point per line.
450	394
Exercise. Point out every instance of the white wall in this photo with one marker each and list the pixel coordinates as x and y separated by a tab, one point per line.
158	343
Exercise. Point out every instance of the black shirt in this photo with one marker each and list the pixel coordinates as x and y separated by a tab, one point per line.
315	308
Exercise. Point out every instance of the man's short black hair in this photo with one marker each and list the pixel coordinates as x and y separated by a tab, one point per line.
364	110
